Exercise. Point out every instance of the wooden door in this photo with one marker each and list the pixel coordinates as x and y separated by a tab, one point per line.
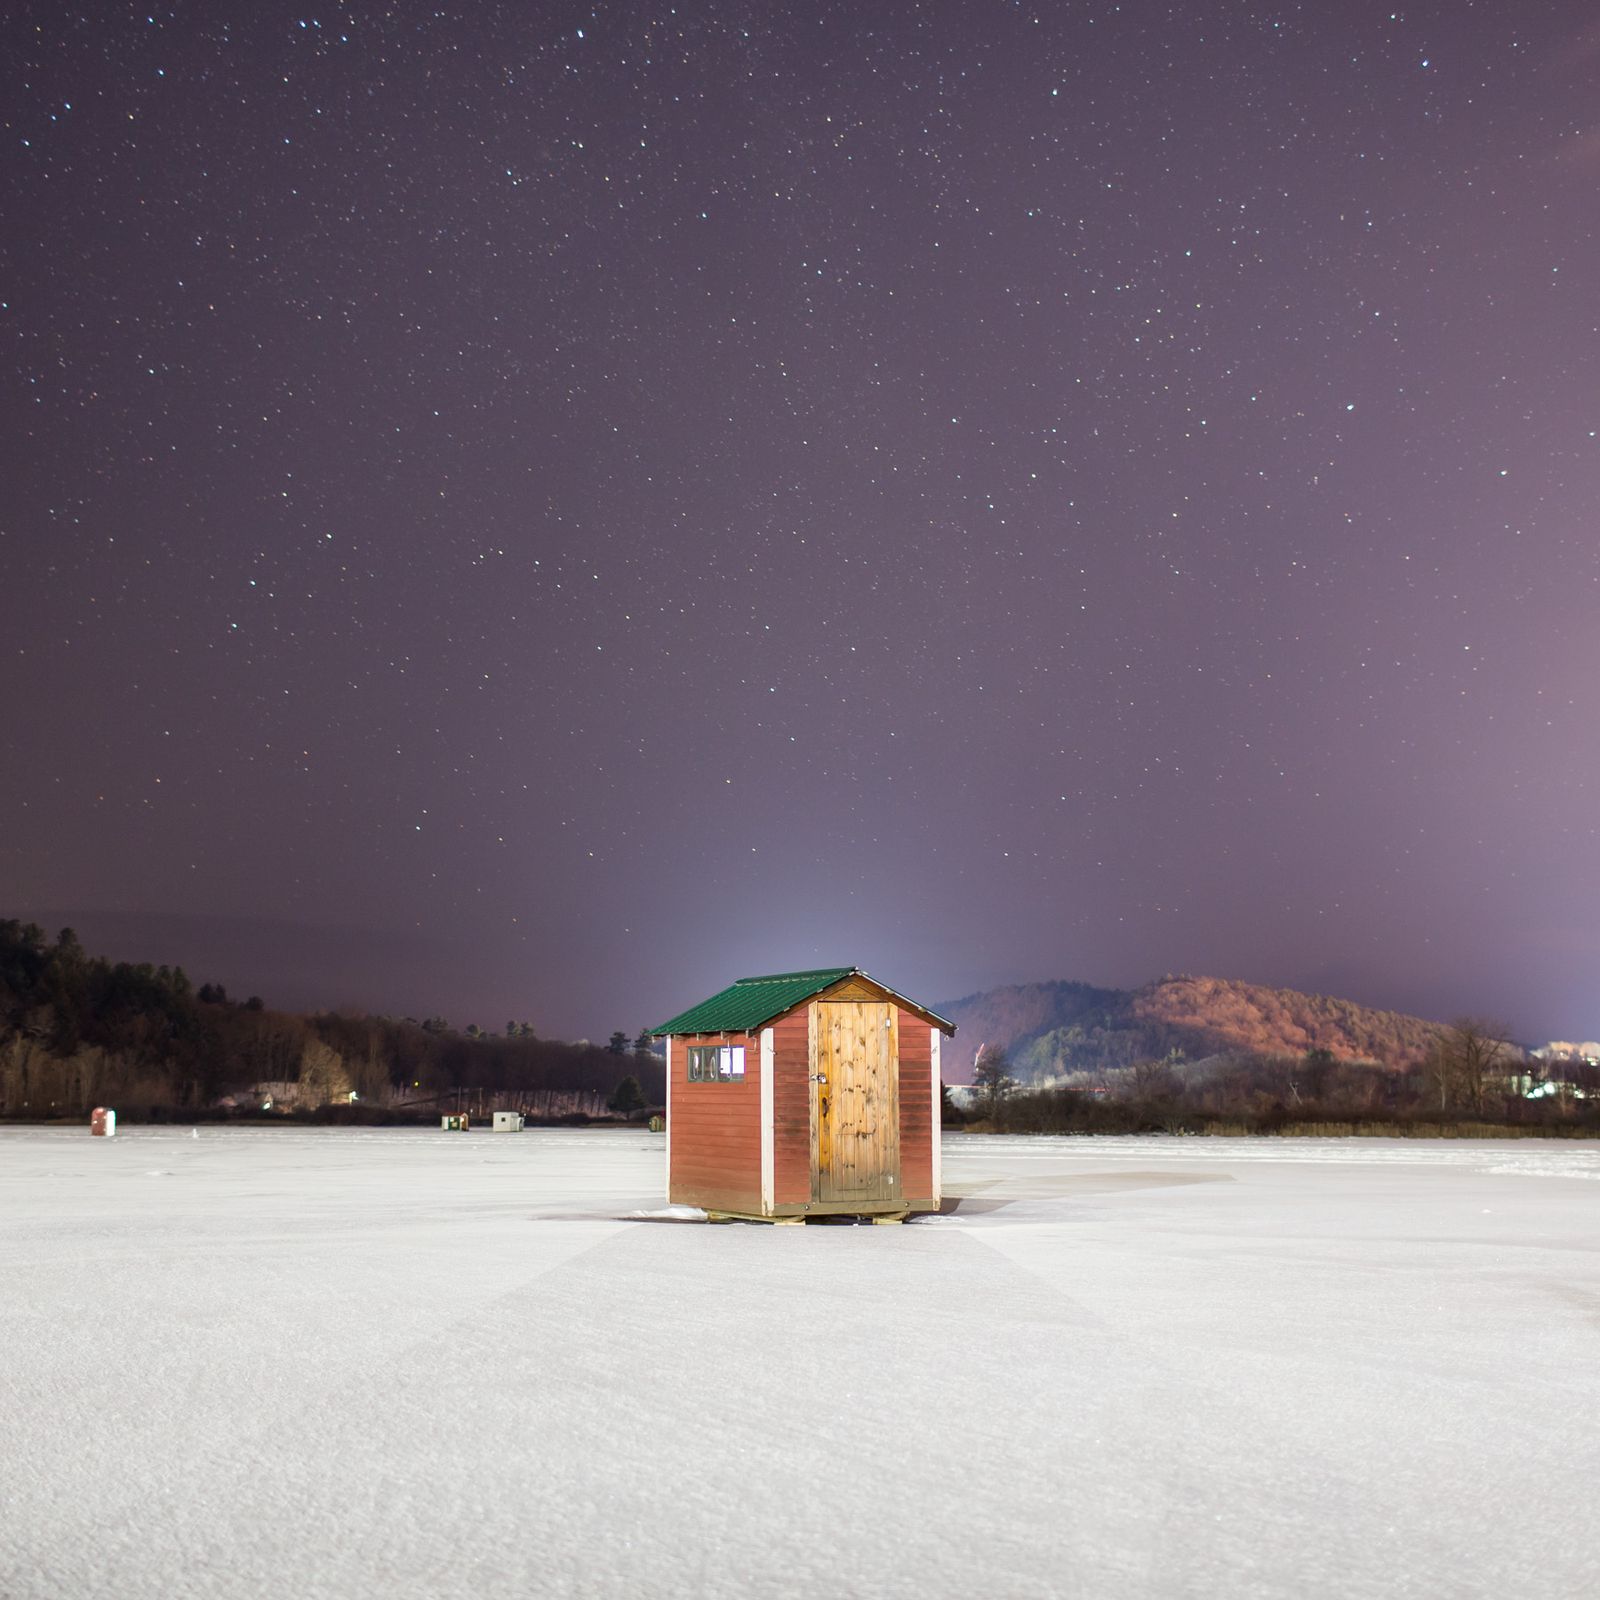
855	1102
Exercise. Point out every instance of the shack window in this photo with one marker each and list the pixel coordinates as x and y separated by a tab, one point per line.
714	1063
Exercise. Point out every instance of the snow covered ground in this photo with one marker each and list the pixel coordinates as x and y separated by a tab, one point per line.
393	1363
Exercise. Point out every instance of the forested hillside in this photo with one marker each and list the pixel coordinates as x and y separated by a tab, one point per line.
1052	1029
77	1031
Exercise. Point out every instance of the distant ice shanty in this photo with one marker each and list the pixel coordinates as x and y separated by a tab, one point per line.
803	1094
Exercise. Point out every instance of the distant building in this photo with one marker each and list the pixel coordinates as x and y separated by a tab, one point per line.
1564	1050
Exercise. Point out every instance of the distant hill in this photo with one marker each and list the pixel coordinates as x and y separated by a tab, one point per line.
1053	1028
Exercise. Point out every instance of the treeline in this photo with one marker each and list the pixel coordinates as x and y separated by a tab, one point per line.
78	1031
1465	1088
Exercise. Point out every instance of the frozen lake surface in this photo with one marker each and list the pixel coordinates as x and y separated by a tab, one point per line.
293	1364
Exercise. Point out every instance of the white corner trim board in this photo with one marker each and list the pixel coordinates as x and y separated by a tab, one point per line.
767	1162
938	1135
669	1117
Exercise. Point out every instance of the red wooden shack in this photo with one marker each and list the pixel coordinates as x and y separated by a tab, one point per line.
802	1094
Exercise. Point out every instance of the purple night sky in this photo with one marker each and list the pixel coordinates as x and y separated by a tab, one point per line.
535	511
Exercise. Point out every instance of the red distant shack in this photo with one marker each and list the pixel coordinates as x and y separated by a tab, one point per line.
803	1094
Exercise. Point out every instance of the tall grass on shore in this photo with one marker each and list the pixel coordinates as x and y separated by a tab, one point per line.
1242	1099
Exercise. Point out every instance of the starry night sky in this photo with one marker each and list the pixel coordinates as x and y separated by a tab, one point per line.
536	510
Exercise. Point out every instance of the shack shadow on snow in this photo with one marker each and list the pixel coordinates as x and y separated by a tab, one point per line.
979	1200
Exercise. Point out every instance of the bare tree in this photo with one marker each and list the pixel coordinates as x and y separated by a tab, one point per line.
1152	1079
991	1073
1312	1072
1466	1059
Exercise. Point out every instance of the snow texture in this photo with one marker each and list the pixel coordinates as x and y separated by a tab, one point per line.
284	1363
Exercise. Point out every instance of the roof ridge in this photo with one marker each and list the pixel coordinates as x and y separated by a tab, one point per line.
791	977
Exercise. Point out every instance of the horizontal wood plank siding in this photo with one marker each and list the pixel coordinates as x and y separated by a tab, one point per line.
791	1108
857	988
714	1154
918	1118
718	1197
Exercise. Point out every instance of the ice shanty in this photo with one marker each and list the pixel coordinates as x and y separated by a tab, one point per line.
804	1094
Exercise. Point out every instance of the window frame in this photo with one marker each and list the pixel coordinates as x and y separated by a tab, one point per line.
715	1063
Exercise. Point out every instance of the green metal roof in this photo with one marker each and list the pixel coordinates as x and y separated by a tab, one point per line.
750	1002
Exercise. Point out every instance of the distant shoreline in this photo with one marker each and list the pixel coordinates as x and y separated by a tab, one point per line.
1420	1133
1332	1130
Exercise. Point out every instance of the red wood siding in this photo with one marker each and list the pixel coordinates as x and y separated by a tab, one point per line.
791	1108
714	1158
917	1117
